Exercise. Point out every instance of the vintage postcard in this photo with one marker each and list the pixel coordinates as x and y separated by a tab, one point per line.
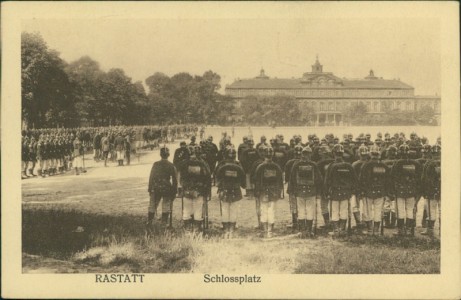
230	150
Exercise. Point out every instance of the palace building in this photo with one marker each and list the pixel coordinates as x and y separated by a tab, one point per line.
328	95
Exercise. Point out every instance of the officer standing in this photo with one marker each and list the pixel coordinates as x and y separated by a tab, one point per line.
306	187
340	186
431	180
162	186
194	181
119	144
406	184
325	159
180	154
374	180
426	151
230	177
364	155
78	152
268	189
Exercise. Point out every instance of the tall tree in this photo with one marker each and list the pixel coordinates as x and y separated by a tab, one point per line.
46	92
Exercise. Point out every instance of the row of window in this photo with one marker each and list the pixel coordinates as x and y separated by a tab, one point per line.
322	92
372	106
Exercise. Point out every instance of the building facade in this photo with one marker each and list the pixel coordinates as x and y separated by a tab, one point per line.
328	95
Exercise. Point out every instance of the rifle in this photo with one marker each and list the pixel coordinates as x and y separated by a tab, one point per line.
315	217
349	215
382	216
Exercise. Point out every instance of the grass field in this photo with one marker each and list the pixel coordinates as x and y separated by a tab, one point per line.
95	223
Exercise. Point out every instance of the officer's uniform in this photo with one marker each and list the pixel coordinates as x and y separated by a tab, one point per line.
306	186
194	179
119	144
268	189
162	185
406	184
340	185
374	180
230	177
78	159
357	165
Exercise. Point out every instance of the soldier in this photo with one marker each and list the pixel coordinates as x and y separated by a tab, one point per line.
280	152
242	147
163	184
105	146
325	159
211	151
306	186
364	155
181	154
426	150
193	141
230	178
406	183
431	181
390	217
97	146
24	156
78	152
374	180
249	157
268	189
127	147
119	144
340	186
194	181
291	195
262	142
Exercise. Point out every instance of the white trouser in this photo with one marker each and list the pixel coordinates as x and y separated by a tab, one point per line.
42	164
405	207
229	211
306	207
267	210
374	208
339	210
355	204
194	207
434	209
78	162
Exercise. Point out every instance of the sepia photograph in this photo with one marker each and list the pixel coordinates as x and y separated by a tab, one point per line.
232	147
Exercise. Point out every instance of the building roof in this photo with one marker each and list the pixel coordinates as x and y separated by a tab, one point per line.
276	83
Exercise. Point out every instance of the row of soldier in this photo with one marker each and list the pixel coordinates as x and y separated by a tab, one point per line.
47	152
372	182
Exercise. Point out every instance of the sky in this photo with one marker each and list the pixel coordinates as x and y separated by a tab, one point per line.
395	48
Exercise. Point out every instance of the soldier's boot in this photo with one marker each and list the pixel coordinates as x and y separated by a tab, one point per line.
400	227
150	220
76	171
411	224
429	231
369	229
294	222
49	172
44	173
358	223
198	226
24	175
302	228
386	219
308	229
376	226
326	219
270	230
393	219
225	226
335	229
30	174
165	217
232	226
342	227
39	172
424	222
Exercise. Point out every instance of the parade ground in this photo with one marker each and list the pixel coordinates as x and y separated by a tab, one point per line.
94	222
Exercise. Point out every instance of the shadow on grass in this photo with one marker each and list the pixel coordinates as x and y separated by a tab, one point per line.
103	241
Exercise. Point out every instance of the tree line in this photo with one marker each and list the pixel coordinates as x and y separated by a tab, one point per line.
56	93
